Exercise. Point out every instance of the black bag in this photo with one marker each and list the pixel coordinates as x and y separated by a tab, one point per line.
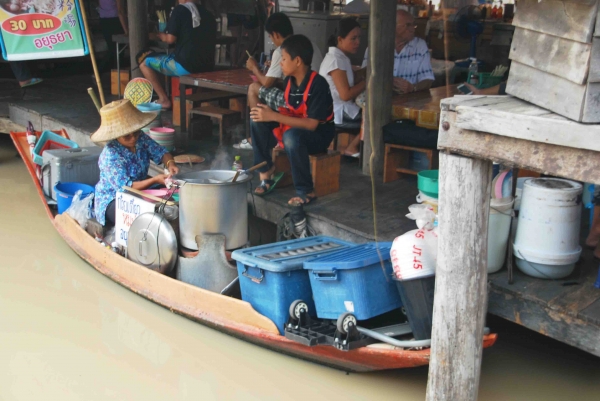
406	132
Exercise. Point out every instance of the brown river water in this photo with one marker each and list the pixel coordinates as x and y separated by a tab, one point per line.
69	333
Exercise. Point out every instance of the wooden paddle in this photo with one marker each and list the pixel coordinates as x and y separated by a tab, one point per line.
237	174
145	195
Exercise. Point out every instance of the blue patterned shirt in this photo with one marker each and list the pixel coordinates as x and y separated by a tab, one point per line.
120	167
413	63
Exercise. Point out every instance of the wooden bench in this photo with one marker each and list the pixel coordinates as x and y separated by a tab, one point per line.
325	169
396	161
198	98
226	117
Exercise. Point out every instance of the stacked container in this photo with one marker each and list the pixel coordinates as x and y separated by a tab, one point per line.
272	276
356	280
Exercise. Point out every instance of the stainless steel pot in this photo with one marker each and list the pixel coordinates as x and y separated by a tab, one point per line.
209	203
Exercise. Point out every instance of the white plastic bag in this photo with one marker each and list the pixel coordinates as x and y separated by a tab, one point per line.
80	209
414	254
423	214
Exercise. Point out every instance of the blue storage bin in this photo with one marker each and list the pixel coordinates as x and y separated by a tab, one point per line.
272	276
352	280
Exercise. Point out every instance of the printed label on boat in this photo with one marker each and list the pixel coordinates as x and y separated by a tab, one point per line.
349	306
128	207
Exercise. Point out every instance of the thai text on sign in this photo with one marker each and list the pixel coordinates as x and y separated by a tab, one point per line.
40	29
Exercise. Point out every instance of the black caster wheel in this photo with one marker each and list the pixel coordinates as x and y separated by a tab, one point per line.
296	308
345	321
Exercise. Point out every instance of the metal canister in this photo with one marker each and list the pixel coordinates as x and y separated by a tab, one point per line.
209	203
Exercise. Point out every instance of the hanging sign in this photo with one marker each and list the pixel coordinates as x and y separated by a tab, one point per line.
40	29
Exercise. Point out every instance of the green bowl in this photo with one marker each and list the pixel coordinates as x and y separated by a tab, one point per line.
427	182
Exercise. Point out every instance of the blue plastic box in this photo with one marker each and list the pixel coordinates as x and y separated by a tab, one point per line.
353	280
272	276
47	141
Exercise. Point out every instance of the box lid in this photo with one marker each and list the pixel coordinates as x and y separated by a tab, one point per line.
352	258
289	255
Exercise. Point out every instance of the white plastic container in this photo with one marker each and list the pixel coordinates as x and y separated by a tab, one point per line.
547	239
498	232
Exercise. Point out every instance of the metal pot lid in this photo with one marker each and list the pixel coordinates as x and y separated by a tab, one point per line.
152	242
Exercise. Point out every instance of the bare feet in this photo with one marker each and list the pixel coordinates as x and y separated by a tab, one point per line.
165	104
302	200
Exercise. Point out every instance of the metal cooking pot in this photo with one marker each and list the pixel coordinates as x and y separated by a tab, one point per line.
209	203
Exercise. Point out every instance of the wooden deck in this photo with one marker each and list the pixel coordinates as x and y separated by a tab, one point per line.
514	132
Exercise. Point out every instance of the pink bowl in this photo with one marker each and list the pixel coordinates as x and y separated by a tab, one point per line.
254	78
162	130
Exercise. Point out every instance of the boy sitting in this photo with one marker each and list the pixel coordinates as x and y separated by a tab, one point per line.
303	127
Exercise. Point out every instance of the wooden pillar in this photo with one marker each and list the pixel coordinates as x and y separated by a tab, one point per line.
460	302
382	25
137	17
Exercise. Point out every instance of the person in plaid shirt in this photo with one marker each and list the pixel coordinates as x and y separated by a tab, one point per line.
412	62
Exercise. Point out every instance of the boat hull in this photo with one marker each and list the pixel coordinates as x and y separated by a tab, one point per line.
226	314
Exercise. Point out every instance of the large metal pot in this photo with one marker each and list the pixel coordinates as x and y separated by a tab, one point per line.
209	203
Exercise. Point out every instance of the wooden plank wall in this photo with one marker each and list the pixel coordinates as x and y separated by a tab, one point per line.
562	57
569	19
555	57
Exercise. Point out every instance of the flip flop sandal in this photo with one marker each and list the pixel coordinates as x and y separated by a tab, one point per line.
34	81
271	184
306	200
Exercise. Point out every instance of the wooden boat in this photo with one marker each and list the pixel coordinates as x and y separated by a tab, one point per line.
223	313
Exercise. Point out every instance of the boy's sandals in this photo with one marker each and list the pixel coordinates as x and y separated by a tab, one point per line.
268	185
302	199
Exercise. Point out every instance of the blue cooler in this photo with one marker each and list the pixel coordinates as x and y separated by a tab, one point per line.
352	280
272	277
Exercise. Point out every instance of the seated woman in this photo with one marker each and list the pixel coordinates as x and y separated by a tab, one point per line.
337	70
125	159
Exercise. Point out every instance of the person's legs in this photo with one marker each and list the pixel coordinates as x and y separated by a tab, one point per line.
110	214
23	73
263	142
253	90
299	144
155	65
110	27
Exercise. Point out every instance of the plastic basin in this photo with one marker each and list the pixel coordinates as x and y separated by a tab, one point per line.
427	182
65	192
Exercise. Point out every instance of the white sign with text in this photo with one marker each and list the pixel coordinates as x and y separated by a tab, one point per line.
128	207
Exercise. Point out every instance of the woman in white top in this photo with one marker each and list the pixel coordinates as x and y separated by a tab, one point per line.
337	70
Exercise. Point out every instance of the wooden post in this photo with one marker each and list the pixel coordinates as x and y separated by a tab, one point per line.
90	44
137	17
460	301
382	25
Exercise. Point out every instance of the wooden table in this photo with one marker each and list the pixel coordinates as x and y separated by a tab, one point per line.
236	81
422	107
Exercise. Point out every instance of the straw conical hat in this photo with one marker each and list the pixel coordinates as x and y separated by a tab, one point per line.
120	118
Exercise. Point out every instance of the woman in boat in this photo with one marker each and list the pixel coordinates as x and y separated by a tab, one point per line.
344	85
125	159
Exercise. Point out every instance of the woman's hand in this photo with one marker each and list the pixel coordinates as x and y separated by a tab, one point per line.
160	179
262	113
173	169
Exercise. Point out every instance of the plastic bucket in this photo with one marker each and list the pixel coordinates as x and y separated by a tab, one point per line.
417	298
66	191
498	232
427	182
164	137
547	240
